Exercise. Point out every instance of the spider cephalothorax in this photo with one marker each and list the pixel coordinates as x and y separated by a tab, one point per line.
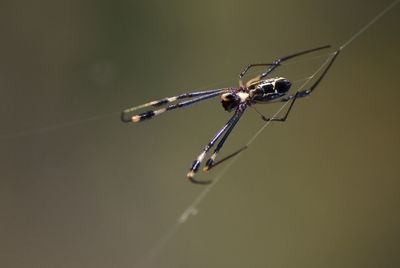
232	99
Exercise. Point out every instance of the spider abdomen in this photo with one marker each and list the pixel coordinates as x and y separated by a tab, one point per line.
270	89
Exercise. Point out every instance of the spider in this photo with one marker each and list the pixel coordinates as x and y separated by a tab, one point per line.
259	89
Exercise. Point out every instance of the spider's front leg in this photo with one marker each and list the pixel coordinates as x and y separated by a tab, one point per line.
226	130
274	65
248	67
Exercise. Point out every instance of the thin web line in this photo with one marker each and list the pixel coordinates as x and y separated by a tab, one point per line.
41	130
192	208
363	29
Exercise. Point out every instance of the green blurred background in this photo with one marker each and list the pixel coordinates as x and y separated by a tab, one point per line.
80	189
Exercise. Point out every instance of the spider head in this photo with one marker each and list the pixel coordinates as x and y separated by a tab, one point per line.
229	101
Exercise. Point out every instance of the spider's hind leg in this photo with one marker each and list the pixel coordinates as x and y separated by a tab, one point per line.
306	92
281	119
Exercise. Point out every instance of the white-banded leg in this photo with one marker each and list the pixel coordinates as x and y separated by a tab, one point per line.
211	160
151	113
225	158
227	127
125	113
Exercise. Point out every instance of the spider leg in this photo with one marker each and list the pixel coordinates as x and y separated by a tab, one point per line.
299	94
151	113
211	160
281	119
306	92
277	62
302	93
226	158
241	75
228	128
125	113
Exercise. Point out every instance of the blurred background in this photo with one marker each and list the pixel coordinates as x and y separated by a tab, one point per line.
78	188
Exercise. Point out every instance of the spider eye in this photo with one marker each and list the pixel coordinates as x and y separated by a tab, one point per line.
282	85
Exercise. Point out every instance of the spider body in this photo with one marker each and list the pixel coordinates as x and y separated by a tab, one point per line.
259	89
